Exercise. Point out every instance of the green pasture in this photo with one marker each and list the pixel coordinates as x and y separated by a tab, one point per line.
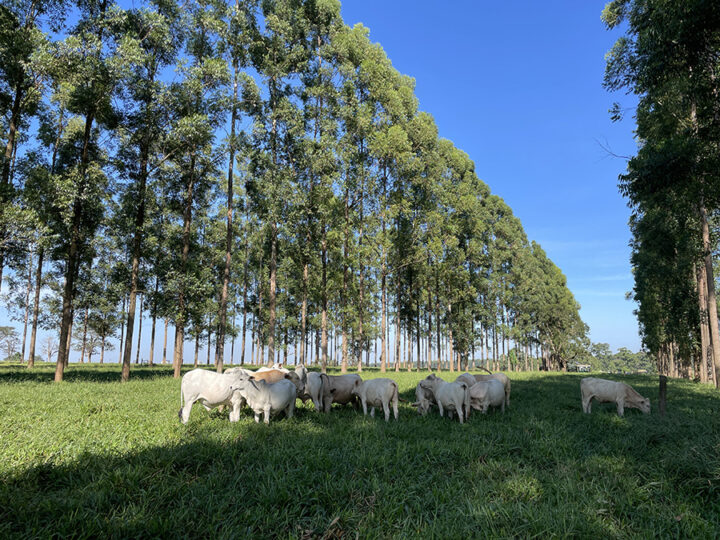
94	458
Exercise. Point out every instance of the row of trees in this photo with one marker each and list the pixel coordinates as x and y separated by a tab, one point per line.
255	170
670	57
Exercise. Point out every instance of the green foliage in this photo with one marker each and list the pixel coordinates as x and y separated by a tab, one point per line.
96	458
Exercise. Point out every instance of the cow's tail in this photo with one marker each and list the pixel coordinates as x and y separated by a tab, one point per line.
396	394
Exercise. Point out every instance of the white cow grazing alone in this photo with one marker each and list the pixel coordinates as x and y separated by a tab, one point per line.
484	394
313	390
211	389
377	393
606	391
267	398
454	396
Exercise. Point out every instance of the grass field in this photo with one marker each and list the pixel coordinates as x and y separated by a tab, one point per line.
91	457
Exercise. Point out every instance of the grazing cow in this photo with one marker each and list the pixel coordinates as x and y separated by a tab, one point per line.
605	391
483	394
338	389
275	375
467	379
424	399
454	396
211	389
313	390
377	393
500	377
267	398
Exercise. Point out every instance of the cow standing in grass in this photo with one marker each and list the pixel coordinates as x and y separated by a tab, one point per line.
267	398
454	396
604	391
212	390
377	393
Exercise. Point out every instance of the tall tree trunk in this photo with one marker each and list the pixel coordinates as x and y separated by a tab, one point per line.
229	231
27	309
705	350
324	318
73	258
136	253
197	350
711	298
84	338
164	358
182	309
122	330
244	320
36	309
152	326
137	353
303	314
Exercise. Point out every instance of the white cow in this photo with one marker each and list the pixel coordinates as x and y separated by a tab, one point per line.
504	379
424	399
338	389
377	393
467	379
483	394
267	398
211	389
454	396
606	391
313	390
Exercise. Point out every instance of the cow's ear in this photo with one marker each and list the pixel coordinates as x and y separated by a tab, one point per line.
252	377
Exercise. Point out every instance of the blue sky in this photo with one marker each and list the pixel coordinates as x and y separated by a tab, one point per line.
518	86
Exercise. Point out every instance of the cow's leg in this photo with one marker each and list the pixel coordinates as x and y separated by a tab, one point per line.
372	412
386	410
185	411
290	409
587	404
440	407
364	406
257	418
395	409
502	407
620	407
460	413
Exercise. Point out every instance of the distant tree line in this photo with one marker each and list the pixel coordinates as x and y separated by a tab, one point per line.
254	175
669	57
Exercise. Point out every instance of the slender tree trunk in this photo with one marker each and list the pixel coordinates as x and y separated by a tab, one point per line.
164	358
197	350
324	318
84	338
229	230
122	330
182	309
152	326
711	298
303	314
27	309
705	350
140	318
36	309
102	350
136	253
346	270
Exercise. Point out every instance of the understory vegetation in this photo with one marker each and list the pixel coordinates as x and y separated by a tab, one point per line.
92	458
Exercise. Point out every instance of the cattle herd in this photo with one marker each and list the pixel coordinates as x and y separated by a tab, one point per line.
269	391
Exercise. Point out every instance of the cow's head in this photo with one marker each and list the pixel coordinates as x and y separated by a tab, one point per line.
644	405
297	381
355	390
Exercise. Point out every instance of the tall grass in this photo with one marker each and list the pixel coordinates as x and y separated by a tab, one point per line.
91	457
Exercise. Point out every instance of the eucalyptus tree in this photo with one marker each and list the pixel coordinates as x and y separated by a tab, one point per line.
149	42
89	78
197	109
668	57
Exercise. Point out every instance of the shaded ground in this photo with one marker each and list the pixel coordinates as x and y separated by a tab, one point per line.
93	457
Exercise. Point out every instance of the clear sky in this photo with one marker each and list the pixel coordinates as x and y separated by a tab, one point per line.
518	86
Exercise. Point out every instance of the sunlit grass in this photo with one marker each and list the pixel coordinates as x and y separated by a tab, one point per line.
91	457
